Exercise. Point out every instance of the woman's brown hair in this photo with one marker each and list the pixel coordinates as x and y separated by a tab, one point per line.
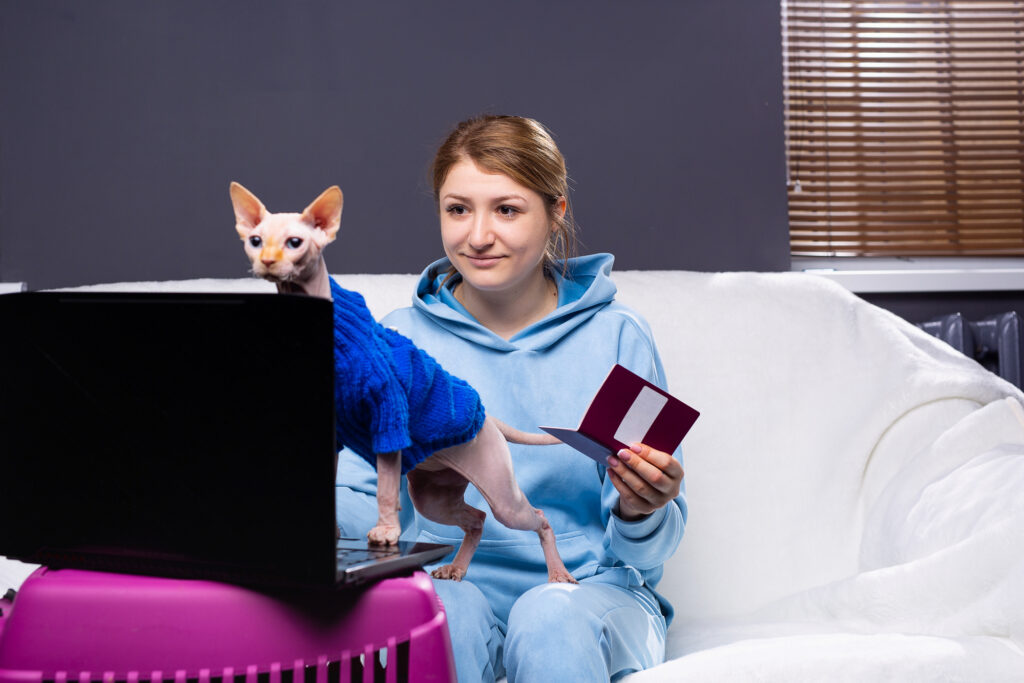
523	150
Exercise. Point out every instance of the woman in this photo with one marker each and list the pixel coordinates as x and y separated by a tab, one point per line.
536	333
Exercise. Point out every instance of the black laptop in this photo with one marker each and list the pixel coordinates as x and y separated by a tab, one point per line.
187	435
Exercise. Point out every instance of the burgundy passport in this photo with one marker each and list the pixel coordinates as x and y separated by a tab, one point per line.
628	409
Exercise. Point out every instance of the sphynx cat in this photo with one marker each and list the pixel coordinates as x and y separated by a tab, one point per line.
286	249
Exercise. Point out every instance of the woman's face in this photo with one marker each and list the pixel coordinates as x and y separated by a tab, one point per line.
494	230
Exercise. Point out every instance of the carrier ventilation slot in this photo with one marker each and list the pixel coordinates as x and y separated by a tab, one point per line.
349	668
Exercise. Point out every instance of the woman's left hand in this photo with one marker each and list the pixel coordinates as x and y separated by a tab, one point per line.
647	479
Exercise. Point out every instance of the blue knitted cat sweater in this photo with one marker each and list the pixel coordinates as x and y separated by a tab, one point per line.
390	395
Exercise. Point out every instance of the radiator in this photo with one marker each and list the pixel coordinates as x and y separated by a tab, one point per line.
995	341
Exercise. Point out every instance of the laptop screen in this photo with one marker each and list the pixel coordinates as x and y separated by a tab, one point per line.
193	432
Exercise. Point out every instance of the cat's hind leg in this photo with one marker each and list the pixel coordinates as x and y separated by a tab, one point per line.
439	495
487	463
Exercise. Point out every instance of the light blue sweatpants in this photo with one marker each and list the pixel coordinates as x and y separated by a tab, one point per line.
592	631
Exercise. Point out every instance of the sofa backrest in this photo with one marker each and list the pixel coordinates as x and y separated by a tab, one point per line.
797	381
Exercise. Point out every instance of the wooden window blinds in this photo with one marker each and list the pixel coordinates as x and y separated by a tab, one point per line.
905	127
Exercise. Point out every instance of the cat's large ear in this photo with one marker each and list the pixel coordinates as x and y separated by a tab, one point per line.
325	212
249	211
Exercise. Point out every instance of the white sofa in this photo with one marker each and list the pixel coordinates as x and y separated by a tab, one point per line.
855	486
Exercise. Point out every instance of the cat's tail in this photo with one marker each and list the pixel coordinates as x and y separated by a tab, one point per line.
513	435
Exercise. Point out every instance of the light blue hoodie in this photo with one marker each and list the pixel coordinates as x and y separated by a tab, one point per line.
544	375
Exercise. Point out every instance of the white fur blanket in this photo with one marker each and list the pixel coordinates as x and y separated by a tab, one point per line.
854	484
854	489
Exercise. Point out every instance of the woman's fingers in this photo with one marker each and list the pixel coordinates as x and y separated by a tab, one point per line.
631	504
656	469
646	479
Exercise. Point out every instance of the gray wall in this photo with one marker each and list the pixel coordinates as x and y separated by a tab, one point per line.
122	123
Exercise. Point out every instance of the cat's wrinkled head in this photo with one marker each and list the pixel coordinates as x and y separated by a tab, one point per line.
285	247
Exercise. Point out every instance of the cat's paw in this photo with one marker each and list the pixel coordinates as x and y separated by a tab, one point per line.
561	576
384	534
449	571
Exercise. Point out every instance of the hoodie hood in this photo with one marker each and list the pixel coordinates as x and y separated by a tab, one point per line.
584	290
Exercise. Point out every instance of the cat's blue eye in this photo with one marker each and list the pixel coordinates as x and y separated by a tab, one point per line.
294	242
255	241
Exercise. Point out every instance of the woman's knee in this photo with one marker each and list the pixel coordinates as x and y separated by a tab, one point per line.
551	636
478	637
601	631
546	606
554	616
466	607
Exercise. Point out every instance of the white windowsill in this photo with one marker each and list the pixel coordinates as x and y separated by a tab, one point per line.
866	275
11	287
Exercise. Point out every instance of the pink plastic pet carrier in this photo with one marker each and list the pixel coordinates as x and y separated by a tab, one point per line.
72	626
